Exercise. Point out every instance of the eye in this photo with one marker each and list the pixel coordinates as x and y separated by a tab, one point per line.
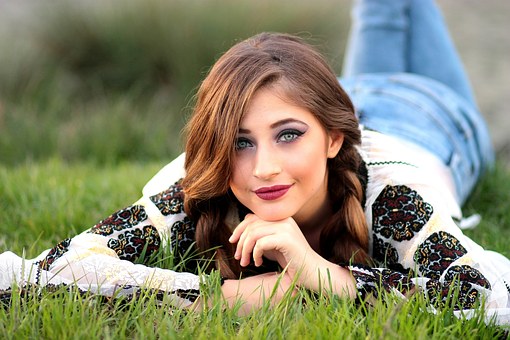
242	143
288	136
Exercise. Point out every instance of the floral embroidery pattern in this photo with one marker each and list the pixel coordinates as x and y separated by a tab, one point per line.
437	253
399	212
384	252
55	253
122	292
466	274
387	256
122	219
182	235
394	279
365	282
457	288
169	201
131	244
369	281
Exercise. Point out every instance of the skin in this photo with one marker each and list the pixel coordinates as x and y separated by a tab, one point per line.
282	144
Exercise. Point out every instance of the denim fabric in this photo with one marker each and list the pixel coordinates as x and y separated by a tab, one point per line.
429	114
406	79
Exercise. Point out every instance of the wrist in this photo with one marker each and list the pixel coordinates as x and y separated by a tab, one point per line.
332	278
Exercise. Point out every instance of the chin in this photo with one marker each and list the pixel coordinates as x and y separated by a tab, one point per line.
271	216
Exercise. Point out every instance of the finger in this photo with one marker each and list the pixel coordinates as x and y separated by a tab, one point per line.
248	240
263	245
238	231
241	239
245	252
250	223
250	237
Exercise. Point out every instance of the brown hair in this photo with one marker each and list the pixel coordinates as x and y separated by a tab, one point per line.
270	59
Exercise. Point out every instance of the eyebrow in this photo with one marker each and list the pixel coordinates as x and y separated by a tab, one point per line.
277	124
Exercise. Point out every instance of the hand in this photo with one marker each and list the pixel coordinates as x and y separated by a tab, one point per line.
280	241
283	241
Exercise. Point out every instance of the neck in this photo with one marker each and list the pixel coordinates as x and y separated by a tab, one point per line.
313	226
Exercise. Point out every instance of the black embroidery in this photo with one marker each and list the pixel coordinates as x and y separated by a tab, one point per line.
399	212
56	252
122	219
385	254
466	273
366	282
391	163
170	201
437	253
393	279
462	279
370	281
131	244
182	236
121	294
457	289
189	294
435	292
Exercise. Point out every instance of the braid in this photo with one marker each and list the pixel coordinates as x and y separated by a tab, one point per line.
212	235
345	236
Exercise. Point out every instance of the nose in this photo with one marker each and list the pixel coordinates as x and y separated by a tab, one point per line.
267	163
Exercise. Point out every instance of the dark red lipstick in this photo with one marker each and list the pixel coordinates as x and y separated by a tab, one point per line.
273	192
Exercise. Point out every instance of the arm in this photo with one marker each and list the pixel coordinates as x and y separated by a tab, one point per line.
251	293
283	241
412	233
110	258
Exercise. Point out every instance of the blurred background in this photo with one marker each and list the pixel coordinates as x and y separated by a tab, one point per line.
108	81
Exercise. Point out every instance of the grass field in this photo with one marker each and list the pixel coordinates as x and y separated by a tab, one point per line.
91	105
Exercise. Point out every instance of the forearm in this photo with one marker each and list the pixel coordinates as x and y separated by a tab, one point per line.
329	278
252	292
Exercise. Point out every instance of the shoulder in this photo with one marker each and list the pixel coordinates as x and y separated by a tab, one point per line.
404	171
166	177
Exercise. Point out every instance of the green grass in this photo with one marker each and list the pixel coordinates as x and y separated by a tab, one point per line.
490	199
51	200
45	202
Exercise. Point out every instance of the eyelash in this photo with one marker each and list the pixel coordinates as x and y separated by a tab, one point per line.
239	140
289	132
295	135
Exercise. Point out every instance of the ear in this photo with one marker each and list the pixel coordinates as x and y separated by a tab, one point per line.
335	141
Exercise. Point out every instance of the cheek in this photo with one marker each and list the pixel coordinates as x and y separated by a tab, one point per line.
309	162
239	185
238	176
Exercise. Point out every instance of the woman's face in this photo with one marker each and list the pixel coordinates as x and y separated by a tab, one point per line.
279	169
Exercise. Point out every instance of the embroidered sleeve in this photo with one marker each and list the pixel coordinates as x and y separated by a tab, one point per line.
419	246
114	254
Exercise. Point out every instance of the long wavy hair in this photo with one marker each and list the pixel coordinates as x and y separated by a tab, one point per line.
306	79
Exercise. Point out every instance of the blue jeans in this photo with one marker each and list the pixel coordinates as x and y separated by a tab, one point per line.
406	79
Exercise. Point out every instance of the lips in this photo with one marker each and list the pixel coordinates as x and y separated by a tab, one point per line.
273	192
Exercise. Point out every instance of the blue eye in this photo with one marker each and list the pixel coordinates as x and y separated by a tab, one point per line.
242	143
288	136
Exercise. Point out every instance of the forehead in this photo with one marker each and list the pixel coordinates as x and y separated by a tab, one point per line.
270	105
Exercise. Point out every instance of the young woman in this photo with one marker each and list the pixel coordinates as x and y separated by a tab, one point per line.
281	185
